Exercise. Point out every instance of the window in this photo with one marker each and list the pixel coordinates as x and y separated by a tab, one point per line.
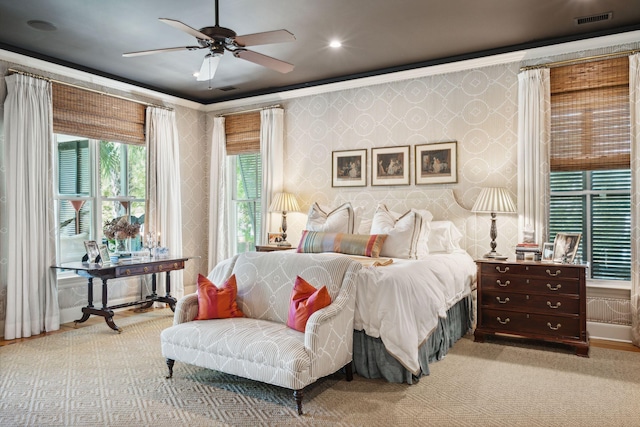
590	181
245	163
247	185
97	181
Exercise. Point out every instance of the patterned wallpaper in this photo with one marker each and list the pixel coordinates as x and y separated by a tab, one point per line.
476	108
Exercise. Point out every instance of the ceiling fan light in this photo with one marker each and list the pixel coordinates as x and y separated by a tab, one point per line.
208	68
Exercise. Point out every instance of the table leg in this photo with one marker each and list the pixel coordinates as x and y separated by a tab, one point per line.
106	312
85	315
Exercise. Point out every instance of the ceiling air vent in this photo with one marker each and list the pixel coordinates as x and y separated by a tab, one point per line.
593	18
227	88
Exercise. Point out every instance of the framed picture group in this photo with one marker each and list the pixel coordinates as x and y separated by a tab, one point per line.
435	163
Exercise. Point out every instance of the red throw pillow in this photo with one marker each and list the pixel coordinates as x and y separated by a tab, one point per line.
305	300
217	303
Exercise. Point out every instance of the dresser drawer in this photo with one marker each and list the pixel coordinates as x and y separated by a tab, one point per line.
524	284
531	323
545	304
556	271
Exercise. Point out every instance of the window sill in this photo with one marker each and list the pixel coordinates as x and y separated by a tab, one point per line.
616	289
70	280
609	284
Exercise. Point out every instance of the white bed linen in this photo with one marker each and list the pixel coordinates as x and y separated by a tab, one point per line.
401	303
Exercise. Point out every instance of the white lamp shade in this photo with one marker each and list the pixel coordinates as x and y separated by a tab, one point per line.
494	200
284	202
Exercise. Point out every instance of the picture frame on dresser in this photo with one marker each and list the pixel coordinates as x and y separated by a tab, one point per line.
565	247
547	252
436	163
390	166
349	168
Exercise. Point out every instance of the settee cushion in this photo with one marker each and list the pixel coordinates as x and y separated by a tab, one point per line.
217	303
305	300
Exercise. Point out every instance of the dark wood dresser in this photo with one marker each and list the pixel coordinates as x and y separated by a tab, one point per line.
528	299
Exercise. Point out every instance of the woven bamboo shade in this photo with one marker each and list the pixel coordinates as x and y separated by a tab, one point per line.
590	118
243	133
90	114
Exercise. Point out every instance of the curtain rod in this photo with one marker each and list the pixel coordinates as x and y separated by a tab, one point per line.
249	111
36	76
577	60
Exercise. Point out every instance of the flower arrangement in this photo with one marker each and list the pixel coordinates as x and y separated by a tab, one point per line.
120	228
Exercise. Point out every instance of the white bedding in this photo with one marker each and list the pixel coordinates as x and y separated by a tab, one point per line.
401	302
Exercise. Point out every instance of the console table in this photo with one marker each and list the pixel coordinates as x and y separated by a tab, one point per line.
124	268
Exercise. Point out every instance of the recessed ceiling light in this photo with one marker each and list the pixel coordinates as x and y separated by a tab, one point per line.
335	44
41	25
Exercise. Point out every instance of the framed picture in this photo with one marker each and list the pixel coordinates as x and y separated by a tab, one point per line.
390	166
565	247
92	250
104	255
349	168
547	251
437	163
275	238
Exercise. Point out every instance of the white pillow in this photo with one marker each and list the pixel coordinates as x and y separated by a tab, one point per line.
338	220
406	233
444	237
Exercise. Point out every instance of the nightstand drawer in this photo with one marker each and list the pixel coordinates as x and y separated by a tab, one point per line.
545	304
517	322
556	271
524	284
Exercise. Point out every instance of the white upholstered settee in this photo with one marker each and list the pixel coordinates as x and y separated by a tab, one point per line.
260	346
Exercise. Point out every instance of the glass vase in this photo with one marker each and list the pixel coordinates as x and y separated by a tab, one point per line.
123	245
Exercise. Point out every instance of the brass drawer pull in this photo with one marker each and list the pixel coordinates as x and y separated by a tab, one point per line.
146	269
175	265
504	322
505	284
553	306
127	271
500	271
506	300
557	273
160	267
554	288
558	326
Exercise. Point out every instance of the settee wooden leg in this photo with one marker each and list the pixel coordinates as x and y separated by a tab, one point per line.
297	394
170	363
348	369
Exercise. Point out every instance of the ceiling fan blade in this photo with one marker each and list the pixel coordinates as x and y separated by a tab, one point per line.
268	37
152	51
209	67
264	60
184	27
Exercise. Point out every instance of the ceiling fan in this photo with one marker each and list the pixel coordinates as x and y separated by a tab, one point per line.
217	39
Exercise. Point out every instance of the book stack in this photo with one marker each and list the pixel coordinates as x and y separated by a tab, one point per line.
528	252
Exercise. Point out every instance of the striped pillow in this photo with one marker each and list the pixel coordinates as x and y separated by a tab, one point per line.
305	300
217	303
352	244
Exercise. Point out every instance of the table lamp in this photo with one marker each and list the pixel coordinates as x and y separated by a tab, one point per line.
284	202
493	200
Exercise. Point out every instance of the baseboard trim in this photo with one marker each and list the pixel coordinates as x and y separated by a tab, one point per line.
607	331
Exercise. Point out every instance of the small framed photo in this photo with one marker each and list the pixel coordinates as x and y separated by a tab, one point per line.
547	252
92	250
437	163
565	247
104	255
390	166
349	168
275	238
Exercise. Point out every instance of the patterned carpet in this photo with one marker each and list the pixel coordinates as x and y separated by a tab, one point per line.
95	377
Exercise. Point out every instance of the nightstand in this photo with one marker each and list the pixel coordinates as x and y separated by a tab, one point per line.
271	248
535	300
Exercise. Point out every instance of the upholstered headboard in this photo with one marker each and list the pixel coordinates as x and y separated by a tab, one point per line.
440	202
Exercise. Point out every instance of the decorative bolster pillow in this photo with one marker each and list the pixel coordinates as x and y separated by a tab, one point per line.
352	244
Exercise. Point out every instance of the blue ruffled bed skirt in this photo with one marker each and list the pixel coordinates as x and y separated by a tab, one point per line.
371	359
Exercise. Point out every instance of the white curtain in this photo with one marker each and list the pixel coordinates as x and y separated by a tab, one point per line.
272	152
32	295
534	118
218	198
164	213
634	97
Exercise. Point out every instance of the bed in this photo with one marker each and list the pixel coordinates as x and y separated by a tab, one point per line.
409	312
